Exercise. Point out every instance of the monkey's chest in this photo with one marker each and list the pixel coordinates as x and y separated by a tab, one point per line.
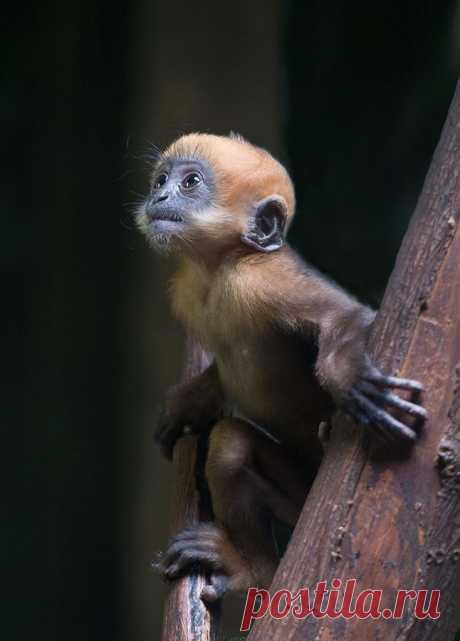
272	382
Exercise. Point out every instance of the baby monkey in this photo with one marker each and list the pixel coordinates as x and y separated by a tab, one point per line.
289	346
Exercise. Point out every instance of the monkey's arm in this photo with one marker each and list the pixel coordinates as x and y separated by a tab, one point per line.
345	369
303	300
194	405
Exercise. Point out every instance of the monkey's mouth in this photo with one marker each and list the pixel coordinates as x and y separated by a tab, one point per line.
166	221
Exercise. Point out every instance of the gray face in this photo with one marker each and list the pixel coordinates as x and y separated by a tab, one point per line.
179	188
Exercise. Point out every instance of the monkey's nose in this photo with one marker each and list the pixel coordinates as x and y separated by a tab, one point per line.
150	207
160	198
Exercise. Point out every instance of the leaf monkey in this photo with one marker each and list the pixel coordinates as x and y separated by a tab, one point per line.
288	344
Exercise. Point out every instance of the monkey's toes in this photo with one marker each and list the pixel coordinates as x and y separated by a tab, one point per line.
195	548
216	588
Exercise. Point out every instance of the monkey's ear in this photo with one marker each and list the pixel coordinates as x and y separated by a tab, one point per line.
266	225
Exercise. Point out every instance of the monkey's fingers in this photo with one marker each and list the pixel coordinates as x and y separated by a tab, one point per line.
363	419
166	436
376	376
413	409
357	414
379	417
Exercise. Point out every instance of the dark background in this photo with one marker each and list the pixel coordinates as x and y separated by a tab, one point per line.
351	95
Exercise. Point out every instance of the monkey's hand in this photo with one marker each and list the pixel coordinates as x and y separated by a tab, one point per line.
171	425
189	408
371	397
204	547
178	417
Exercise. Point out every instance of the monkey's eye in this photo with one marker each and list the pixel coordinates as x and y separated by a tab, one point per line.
160	181
191	180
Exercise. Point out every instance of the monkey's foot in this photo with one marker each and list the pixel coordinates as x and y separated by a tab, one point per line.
206	548
368	400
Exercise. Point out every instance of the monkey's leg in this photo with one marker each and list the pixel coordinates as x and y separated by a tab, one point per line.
239	550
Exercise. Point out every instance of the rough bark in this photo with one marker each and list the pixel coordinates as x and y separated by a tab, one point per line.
186	616
392	519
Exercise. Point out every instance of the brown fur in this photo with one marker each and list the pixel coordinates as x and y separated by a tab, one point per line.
259	314
286	342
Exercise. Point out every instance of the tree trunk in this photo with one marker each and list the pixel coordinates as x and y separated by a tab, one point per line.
392	519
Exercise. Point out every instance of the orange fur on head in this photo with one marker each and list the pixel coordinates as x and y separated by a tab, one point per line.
244	173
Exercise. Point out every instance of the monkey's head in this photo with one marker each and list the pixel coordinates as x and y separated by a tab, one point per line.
211	194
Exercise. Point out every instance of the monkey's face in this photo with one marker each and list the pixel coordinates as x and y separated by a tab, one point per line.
212	194
180	189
